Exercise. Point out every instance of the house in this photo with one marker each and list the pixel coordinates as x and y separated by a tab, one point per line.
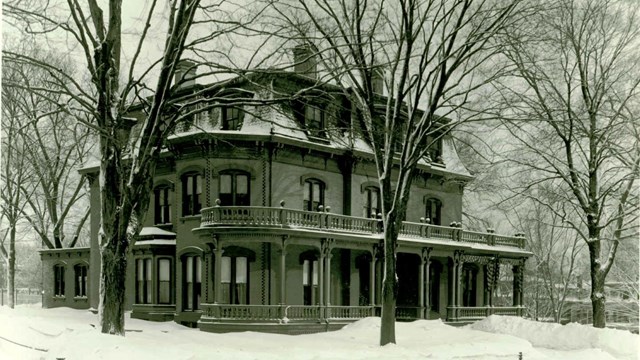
266	218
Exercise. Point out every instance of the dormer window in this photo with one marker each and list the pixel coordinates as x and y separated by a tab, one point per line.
434	151
232	118
314	120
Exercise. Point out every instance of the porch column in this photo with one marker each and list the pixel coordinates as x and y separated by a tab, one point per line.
460	263
427	284
321	279
424	259
372	280
326	250
208	254
517	285
217	287
283	271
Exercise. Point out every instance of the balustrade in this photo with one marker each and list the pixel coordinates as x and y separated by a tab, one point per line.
283	217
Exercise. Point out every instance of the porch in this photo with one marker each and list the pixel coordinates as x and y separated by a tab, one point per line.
286	270
298	319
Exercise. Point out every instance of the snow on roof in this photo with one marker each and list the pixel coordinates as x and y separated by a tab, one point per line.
153	231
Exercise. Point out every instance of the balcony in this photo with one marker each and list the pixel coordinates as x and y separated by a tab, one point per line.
281	217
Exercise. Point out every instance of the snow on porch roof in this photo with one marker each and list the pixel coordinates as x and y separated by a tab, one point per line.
152	232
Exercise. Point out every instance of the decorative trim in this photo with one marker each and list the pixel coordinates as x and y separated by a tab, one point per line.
191	169
161	183
317	176
216	171
190	250
368	184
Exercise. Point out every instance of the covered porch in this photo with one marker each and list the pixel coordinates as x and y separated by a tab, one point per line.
262	275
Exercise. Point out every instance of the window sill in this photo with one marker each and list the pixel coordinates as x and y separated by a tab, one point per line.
165	226
59	297
190	217
319	139
80	298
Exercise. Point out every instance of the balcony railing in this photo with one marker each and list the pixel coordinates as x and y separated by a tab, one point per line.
259	216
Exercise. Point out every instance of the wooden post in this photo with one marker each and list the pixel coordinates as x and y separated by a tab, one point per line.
372	279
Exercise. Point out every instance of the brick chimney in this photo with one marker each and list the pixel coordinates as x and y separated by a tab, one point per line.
185	73
304	61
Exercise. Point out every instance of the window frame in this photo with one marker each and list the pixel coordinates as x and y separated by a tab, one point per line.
430	203
160	282
229	121
59	285
82	282
367	207
144	280
435	145
191	295
232	198
308	184
162	209
232	284
191	198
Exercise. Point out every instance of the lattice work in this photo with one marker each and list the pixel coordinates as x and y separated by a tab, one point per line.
207	179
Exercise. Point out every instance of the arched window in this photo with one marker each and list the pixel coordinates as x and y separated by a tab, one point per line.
192	275
164	281
58	280
143	281
162	197
313	194
235	275
372	205
234	188
435	269
469	285
81	272
433	211
191	193
310	267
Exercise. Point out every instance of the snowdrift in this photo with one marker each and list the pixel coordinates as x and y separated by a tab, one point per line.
620	344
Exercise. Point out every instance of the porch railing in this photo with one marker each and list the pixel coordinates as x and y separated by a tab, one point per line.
475	313
317	313
260	216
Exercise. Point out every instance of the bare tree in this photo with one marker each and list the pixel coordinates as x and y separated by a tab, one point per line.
15	189
568	108
55	146
423	55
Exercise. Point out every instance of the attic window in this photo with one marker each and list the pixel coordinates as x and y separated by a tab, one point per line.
232	118
434	143
314	120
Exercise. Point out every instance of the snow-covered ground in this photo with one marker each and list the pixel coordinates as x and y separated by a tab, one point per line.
73	334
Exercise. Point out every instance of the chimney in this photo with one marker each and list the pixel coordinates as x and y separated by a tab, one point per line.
377	80
185	73
304	61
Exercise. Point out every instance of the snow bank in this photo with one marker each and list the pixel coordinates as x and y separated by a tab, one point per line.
74	334
620	344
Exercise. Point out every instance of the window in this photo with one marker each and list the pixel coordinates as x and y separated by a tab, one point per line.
162	205
58	280
234	189
81	280
235	276
434	285
372	205
164	281
143	281
314	120
232	118
469	285
310	281
313	194
192	282
433	213
434	144
191	194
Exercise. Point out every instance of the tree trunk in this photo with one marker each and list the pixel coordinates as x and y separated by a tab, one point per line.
112	290
11	281
598	299
114	241
389	286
